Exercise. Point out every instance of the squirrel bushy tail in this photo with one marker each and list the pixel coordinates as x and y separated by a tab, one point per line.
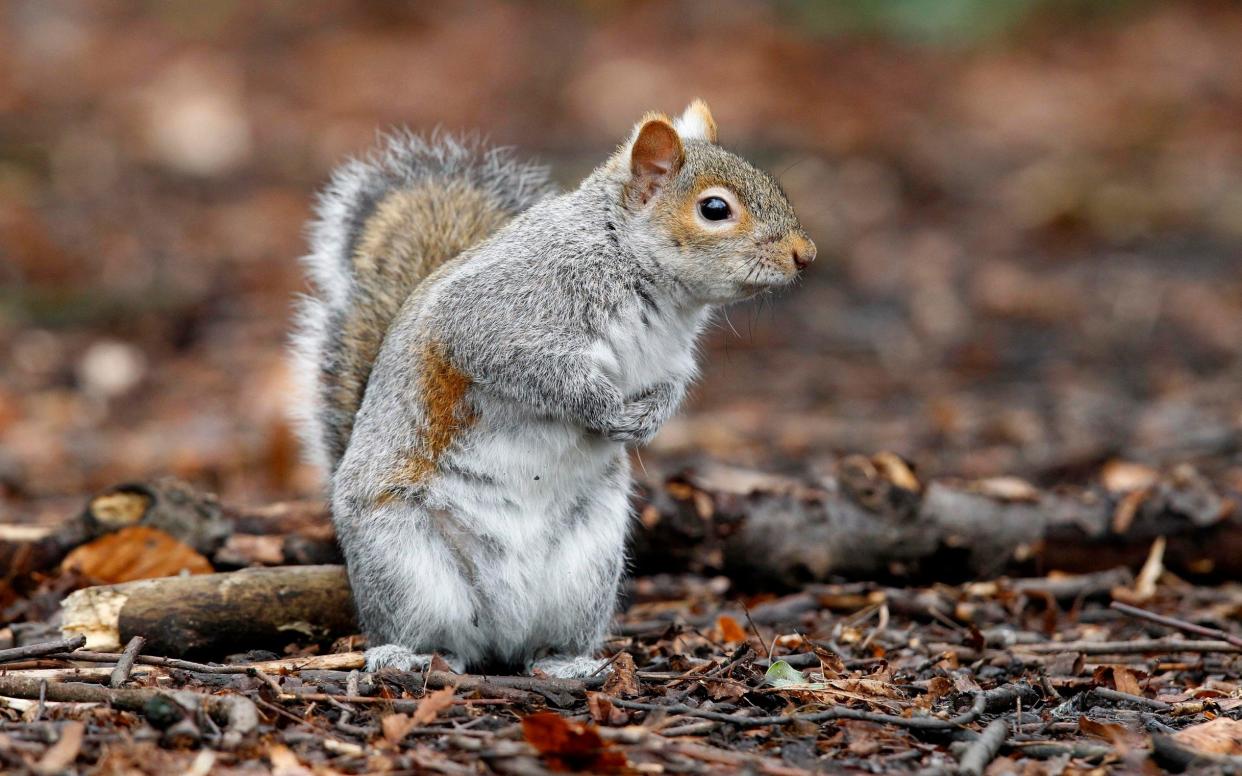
383	225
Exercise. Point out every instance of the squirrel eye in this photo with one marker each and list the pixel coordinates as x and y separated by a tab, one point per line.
714	209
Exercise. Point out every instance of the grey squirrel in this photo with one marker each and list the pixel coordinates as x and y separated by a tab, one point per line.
480	351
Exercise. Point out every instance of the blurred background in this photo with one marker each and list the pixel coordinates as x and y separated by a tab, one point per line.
1029	215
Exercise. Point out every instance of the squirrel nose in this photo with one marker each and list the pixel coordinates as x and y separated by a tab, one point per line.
803	252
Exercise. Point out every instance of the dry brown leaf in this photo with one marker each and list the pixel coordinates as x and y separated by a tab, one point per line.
725	689
396	727
731	632
1013	489
830	663
285	762
602	710
622	678
1121	678
1117	735
895	469
1153	569
1126	510
1122	476
431	705
1220	736
137	552
1125	681
571	746
61	755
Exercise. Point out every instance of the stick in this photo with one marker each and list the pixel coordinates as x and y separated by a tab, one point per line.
120	674
239	714
1133	647
214	613
984	749
1047	750
39	650
1125	697
440	679
87	656
1179	624
984	701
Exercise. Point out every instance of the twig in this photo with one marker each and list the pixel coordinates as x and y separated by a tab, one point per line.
239	713
150	660
439	679
124	666
1047	750
739	655
39	650
413	704
1125	697
984	749
1179	624
312	663
690	729
1001	697
1132	647
755	628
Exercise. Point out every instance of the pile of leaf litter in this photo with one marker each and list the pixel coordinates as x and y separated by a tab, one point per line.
1130	668
1044	675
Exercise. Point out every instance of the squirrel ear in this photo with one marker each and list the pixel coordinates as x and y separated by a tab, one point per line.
656	154
696	123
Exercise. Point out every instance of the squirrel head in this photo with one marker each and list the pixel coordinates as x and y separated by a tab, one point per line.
725	229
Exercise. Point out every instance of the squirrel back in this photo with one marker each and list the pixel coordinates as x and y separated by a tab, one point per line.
383	224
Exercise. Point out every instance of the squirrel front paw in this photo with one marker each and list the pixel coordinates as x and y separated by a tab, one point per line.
401	658
642	416
566	667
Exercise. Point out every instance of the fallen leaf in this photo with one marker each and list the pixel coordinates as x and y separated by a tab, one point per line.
1220	736
830	663
1125	681
285	762
602	710
1122	678
731	632
1013	489
61	754
622	678
725	690
1127	509
895	468
1117	735
571	746
136	552
431	705
396	727
1121	476
1153	569
781	674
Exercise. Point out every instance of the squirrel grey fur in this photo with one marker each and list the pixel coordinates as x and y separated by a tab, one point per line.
479	353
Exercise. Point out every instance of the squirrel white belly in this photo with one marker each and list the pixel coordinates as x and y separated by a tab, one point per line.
479	354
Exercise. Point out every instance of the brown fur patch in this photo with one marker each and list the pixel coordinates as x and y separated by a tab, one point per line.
443	389
682	223
412	233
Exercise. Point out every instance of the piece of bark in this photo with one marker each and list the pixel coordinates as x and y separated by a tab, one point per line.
765	530
166	504
213	614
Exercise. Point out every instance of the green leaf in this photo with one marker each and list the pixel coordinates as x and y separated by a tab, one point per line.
781	674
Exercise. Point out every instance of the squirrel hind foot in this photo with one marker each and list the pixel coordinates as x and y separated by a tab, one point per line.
401	658
570	667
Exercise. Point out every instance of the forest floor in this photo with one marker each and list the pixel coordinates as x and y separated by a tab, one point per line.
1026	308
